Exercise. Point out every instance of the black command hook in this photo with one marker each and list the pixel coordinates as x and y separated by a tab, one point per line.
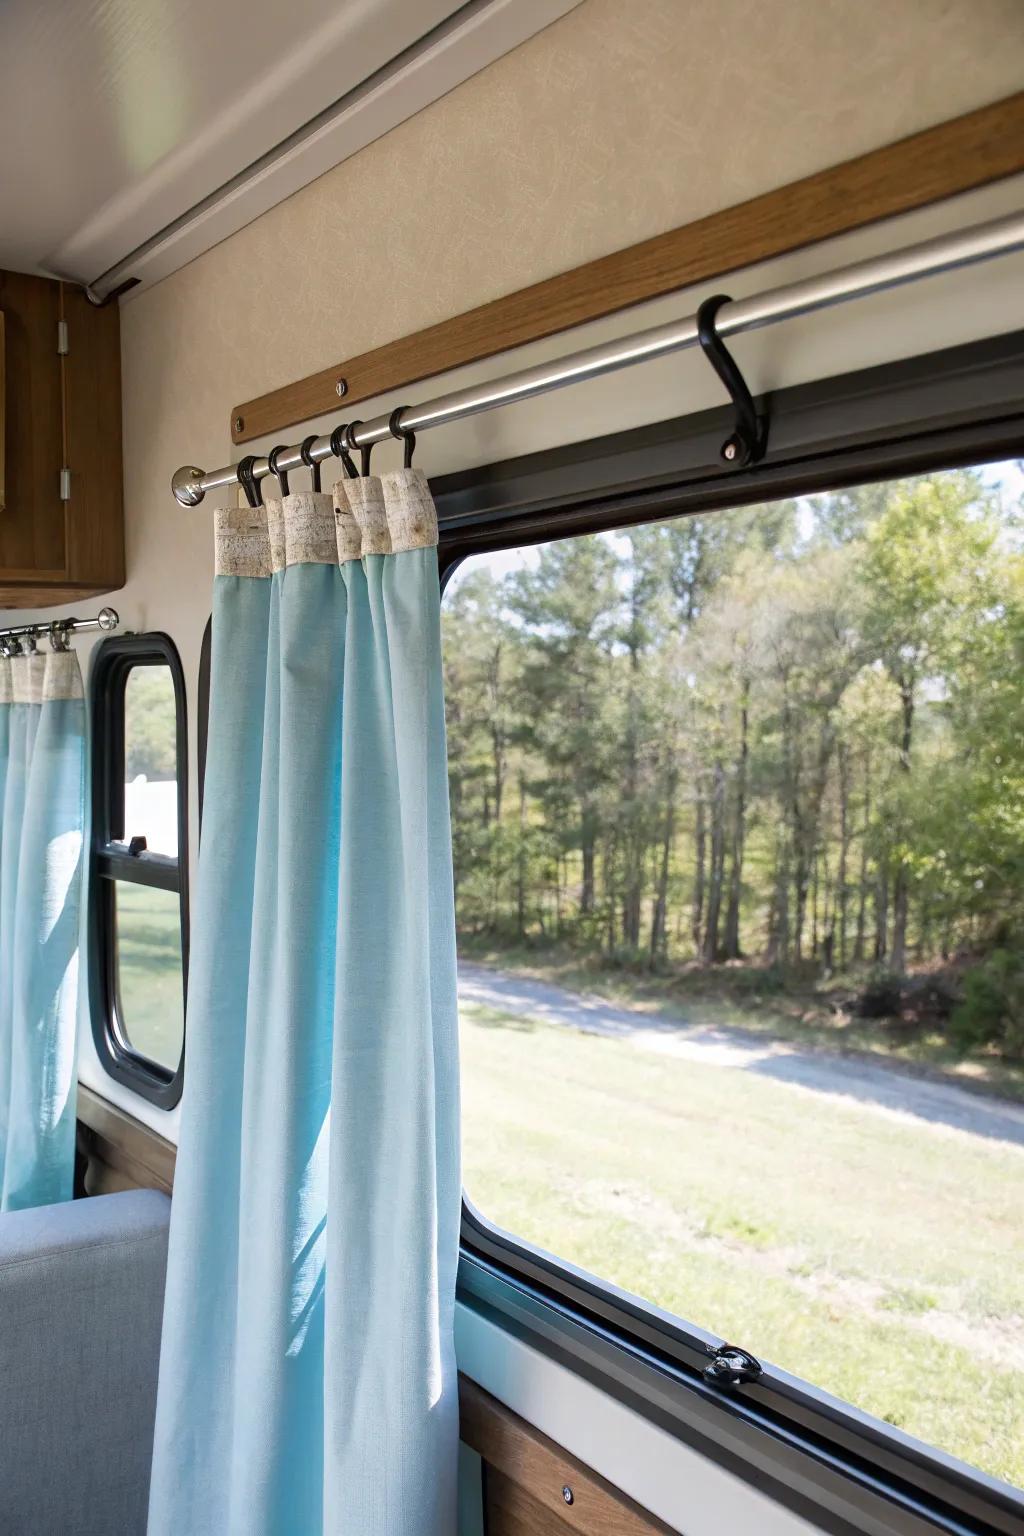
404	435
313	465
249	482
273	458
364	450
749	438
339	447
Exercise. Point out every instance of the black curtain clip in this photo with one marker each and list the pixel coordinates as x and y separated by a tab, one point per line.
282	474
404	434
249	482
313	465
748	440
364	451
339	447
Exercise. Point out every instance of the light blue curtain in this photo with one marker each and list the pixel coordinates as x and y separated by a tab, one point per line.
42	766
307	1377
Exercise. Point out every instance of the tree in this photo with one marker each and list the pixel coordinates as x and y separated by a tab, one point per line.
927	578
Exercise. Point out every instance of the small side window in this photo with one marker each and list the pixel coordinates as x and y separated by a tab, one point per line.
139	864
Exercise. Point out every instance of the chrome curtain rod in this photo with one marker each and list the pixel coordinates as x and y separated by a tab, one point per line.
982	242
59	631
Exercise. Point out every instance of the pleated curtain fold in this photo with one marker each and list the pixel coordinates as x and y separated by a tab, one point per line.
307	1377
42	809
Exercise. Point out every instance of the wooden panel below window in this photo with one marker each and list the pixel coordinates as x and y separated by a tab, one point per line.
121	1152
525	1474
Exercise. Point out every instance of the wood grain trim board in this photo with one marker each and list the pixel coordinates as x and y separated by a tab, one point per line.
956	156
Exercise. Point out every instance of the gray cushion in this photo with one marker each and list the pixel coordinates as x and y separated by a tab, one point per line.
81	1297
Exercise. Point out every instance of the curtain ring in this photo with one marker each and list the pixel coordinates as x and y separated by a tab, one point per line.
364	451
249	482
282	474
339	447
313	465
404	434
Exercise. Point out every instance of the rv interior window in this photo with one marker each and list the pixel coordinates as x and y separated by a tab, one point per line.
738	821
139	911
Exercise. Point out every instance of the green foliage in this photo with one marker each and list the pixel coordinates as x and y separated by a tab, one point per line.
992	1012
150	745
788	736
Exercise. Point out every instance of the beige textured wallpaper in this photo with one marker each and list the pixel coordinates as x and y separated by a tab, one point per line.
621	120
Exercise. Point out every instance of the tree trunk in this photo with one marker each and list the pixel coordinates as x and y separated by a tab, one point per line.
659	917
709	953
862	899
732	916
521	862
901	887
842	894
699	855
587	885
881	911
778	917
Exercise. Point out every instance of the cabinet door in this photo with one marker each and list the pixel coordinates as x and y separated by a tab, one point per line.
32	537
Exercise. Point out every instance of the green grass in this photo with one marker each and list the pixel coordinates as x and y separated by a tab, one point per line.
149	970
806	1012
878	1258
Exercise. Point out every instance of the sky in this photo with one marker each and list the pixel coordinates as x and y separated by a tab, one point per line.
1008	476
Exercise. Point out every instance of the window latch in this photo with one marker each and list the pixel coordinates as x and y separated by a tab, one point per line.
137	846
730	1366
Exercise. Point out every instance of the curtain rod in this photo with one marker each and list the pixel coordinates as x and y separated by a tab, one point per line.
58	630
945	253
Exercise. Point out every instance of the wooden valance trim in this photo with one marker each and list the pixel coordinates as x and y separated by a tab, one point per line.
956	156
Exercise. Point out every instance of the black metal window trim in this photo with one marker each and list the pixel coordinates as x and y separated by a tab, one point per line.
110	860
823	1458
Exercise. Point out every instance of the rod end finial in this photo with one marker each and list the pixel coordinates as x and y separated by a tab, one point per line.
186	485
108	618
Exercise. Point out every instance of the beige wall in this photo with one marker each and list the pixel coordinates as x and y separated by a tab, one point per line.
623	119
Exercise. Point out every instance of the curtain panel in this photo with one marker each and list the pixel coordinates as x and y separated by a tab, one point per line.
307	1378
42	811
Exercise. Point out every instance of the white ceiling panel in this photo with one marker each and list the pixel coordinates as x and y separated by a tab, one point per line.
159	126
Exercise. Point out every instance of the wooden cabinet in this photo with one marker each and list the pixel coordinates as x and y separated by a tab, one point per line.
62	518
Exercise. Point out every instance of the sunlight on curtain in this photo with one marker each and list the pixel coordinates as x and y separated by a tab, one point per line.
42	765
307	1378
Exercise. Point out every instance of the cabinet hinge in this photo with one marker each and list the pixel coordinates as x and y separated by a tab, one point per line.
65	484
62	338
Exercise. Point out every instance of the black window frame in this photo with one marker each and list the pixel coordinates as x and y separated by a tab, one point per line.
110	860
823	1458
844	1471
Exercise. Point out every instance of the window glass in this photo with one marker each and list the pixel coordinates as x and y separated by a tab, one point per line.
738	822
150	759
148	937
138	952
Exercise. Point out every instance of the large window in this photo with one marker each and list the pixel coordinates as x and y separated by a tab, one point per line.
139	866
738	818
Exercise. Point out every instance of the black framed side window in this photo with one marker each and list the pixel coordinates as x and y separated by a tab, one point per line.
139	864
697	724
